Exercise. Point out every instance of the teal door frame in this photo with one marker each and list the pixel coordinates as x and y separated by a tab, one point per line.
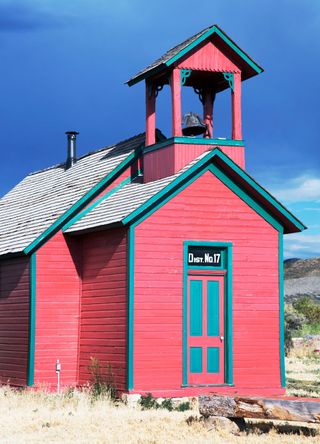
226	265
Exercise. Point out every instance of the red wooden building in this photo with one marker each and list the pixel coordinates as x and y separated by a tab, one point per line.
159	256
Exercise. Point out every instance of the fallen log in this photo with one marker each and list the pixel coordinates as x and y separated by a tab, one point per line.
242	407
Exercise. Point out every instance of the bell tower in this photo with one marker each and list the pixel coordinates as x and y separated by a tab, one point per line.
209	62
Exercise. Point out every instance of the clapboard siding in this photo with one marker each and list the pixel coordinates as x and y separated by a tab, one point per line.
14	320
172	158
205	210
58	307
209	57
104	303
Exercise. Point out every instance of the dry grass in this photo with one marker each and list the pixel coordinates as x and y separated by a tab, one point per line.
29	417
38	417
303	371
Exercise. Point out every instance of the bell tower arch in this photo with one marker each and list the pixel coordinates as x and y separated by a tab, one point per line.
209	62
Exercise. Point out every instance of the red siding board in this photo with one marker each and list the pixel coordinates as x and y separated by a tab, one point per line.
172	158
14	314
220	216
104	303
57	313
208	57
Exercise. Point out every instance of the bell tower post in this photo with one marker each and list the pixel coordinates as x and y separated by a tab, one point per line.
208	111
150	113
236	108
175	84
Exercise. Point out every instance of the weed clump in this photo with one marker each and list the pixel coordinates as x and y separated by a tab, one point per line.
148	402
102	382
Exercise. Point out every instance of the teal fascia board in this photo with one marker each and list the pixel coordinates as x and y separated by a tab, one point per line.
214	29
32	319
193	141
194	172
87	210
166	192
264	193
245	197
81	203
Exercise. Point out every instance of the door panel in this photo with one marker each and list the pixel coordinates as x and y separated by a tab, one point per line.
205	330
196	308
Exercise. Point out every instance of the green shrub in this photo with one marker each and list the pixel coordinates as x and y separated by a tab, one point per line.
309	308
183	406
148	402
102	380
167	404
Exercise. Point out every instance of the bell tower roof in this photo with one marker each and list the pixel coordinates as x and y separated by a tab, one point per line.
226	45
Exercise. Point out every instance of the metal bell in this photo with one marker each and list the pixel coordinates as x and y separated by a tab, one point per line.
194	126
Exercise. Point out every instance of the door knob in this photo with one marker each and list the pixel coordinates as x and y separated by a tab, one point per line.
221	338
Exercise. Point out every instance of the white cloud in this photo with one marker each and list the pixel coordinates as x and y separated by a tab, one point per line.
301	245
300	189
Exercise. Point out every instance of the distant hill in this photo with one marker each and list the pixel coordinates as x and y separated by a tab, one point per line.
302	277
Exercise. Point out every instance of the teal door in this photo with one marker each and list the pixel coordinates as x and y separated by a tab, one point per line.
205	323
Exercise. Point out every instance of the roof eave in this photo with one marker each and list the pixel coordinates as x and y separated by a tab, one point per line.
257	69
83	201
286	219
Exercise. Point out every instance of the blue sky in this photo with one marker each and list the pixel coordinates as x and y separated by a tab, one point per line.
64	64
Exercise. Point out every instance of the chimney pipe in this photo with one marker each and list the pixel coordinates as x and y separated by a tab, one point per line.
72	155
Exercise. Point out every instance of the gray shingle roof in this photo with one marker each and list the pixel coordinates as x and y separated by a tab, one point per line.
169	54
123	202
42	197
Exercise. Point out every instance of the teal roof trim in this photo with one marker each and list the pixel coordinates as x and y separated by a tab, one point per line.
196	169
82	213
175	54
81	203
215	29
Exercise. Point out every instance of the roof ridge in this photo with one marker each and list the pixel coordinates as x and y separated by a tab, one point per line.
89	153
188	39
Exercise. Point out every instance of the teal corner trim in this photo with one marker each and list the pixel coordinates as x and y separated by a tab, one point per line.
32	319
185	73
130	333
281	312
227	309
87	210
193	141
81	203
